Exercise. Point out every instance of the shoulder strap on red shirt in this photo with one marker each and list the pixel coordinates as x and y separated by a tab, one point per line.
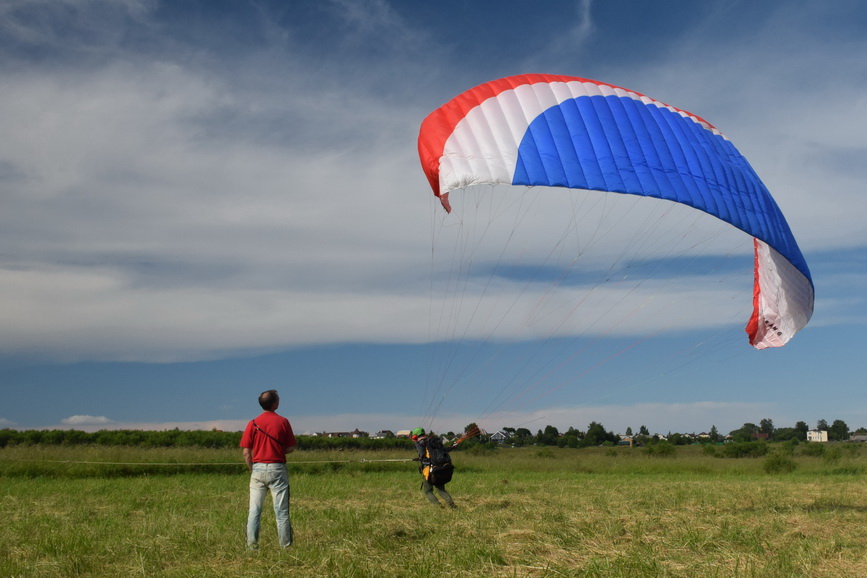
267	434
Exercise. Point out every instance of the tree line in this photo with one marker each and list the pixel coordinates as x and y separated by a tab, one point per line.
180	438
838	431
594	435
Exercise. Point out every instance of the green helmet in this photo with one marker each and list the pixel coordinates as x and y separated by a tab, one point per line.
419	431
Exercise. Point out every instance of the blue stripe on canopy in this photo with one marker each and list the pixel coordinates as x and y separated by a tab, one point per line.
619	144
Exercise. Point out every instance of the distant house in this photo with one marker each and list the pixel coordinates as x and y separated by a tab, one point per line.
858	438
334	434
403	433
626	441
500	437
383	434
344	434
817	435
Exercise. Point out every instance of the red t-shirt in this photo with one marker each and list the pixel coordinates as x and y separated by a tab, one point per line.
265	449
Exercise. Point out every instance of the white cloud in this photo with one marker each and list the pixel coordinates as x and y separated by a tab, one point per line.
6	423
92	424
85	420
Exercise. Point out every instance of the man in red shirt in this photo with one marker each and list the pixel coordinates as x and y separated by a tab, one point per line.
265	442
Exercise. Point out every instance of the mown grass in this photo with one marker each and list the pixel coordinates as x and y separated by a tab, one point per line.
523	512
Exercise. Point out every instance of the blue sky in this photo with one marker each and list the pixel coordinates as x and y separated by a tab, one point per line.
203	200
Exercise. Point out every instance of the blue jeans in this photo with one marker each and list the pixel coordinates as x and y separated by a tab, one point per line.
273	477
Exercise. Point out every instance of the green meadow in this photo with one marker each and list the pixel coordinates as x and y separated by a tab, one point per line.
120	511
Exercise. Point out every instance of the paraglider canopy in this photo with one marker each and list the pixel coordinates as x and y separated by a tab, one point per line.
561	131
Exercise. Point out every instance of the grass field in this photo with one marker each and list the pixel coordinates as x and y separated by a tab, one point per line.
522	512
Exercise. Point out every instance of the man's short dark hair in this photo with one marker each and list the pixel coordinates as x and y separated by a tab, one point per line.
267	399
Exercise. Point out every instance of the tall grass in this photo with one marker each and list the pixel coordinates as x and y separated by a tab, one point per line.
522	512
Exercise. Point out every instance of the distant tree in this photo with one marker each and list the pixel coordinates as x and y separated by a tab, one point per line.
802	428
549	437
839	431
6	436
596	435
520	436
629	431
745	433
714	434
643	436
860	431
784	434
766	426
822	425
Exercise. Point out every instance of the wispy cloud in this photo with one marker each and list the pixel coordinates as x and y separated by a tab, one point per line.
85	420
583	29
96	423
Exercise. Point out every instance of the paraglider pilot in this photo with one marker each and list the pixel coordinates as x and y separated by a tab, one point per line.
436	466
